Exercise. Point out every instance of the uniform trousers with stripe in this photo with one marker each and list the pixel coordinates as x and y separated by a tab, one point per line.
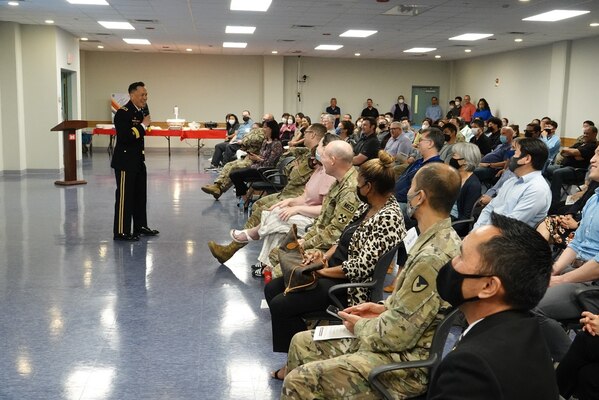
131	190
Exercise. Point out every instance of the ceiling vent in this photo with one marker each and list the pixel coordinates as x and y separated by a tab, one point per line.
303	26
144	21
286	40
406	10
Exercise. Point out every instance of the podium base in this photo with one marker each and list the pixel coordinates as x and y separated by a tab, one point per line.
69	183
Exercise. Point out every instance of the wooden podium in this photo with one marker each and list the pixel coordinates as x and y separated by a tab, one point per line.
69	149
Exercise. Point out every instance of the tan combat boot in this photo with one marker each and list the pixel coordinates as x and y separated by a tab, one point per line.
224	253
213	189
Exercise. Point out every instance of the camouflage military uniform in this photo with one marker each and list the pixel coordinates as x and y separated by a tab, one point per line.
338	208
339	368
252	142
298	173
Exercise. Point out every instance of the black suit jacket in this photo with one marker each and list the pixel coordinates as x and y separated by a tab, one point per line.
502	357
128	152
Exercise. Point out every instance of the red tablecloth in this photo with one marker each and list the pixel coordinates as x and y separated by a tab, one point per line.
181	134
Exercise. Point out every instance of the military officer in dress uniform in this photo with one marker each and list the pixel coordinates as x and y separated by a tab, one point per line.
131	122
402	328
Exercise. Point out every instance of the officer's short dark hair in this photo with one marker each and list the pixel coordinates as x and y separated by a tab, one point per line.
589	122
536	149
436	136
133	87
318	129
521	258
370	120
496	121
441	183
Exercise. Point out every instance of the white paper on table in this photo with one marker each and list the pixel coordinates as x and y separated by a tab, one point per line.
410	239
570	200
332	332
264	304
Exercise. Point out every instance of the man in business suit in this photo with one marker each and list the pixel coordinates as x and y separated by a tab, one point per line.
131	122
502	272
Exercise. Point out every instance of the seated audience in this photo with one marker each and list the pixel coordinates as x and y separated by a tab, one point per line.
338	206
575	157
329	122
269	154
376	227
298	138
492	163
450	132
526	196
533	131
287	130
577	373
577	267
399	329
232	127
382	131
251	143
552	140
346	129
493	132
399	145
276	221
299	173
466	157
477	128
502	272
368	145
407	130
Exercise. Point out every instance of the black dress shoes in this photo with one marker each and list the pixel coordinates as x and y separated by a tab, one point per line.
145	231
126	237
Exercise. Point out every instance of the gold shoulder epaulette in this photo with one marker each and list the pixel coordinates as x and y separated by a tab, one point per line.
124	108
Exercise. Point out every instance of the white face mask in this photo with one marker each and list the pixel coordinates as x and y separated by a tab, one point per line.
359	124
475	131
283	120
231	122
400	101
425	126
290	121
457	103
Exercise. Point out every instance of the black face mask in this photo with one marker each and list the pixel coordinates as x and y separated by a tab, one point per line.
513	165
246	119
382	126
454	162
447	137
449	285
528	133
362	198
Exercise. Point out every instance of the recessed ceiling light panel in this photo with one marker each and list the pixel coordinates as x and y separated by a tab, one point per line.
556	15
235	45
357	33
328	47
471	36
89	2
137	41
247	30
420	50
116	25
250	5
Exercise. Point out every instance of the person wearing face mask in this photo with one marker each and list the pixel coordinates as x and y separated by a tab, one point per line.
479	138
552	140
450	132
399	329
221	148
501	274
466	157
287	129
375	228
492	163
457	109
382	131
401	109
526	196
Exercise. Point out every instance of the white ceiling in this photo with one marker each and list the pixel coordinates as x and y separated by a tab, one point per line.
175	25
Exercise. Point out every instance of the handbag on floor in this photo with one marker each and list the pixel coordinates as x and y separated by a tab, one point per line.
296	276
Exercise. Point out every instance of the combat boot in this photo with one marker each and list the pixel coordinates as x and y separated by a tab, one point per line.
213	189
224	253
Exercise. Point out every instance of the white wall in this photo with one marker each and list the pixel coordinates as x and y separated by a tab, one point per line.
583	85
352	81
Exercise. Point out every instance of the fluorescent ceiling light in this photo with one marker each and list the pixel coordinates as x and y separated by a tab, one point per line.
357	33
137	41
420	50
100	46
84	39
13	3
468	51
274	52
49	21
518	40
248	30
89	2
116	25
235	45
328	47
594	24
188	49
555	15
437	56
471	36
250	5
357	54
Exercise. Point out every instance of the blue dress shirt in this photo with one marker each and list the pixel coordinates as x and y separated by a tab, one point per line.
586	240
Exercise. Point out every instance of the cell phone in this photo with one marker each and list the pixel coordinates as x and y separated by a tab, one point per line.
334	311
